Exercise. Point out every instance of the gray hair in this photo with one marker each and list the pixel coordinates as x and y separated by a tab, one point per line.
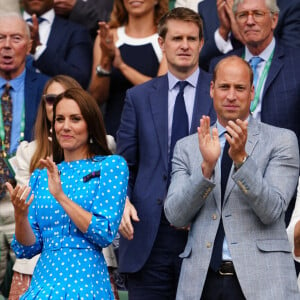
18	16
271	5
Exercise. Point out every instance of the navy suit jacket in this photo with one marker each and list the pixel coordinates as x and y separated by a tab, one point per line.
287	29
33	90
143	140
69	51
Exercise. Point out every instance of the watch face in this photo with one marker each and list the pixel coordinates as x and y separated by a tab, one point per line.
101	72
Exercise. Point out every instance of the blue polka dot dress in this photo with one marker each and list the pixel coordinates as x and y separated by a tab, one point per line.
71	265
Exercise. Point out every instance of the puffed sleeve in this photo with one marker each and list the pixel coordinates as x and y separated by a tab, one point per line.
108	204
20	250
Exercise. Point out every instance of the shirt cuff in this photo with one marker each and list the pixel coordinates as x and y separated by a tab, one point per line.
222	45
39	51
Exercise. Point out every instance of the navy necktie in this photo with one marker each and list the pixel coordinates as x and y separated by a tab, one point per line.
180	123
40	20
226	164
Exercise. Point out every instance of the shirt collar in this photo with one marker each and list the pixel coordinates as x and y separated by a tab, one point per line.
15	83
192	79
221	129
264	55
48	16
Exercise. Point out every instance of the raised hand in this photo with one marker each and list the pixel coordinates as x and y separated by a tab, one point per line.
107	44
18	197
34	33
237	138
209	146
54	182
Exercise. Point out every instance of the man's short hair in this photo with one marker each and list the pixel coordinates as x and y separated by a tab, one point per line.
233	57
16	15
180	14
271	5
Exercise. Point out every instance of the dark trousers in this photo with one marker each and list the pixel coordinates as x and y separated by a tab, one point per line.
158	278
221	287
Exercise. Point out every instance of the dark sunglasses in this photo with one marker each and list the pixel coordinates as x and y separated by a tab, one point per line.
49	99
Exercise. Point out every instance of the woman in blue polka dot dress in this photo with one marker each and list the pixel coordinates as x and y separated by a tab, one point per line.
73	207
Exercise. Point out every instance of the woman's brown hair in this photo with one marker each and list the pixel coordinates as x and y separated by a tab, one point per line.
119	15
42	125
97	143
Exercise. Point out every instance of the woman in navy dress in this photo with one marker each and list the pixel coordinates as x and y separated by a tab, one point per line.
73	207
126	53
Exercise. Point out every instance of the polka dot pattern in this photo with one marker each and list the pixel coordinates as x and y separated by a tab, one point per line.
71	265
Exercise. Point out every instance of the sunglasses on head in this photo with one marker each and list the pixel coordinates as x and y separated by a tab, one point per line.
49	99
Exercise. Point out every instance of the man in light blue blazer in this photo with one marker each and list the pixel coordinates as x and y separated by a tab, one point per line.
150	246
255	256
278	84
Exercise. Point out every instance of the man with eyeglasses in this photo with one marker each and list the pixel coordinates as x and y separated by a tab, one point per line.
277	87
221	32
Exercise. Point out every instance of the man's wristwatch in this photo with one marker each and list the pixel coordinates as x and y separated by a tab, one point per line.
238	165
102	72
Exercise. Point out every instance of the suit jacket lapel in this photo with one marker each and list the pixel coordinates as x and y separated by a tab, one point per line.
56	31
159	106
30	92
200	108
253	133
275	67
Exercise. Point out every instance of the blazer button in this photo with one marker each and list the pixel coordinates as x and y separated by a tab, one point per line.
214	217
159	201
165	177
208	245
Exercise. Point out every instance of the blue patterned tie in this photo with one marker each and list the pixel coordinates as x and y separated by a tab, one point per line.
254	61
226	164
6	104
180	124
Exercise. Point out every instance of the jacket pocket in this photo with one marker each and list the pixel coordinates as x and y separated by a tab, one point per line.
281	245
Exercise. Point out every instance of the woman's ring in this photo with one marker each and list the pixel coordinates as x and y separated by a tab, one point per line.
108	41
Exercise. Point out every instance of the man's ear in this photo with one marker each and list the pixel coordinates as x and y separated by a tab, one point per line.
29	46
161	43
211	91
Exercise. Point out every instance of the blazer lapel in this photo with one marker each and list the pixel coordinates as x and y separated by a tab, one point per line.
57	30
275	67
200	106
30	92
159	107
253	133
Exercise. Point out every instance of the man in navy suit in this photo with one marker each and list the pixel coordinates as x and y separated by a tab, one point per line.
150	245
220	27
59	46
26	88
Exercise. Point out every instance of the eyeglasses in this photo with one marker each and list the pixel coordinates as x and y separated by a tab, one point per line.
50	98
257	15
